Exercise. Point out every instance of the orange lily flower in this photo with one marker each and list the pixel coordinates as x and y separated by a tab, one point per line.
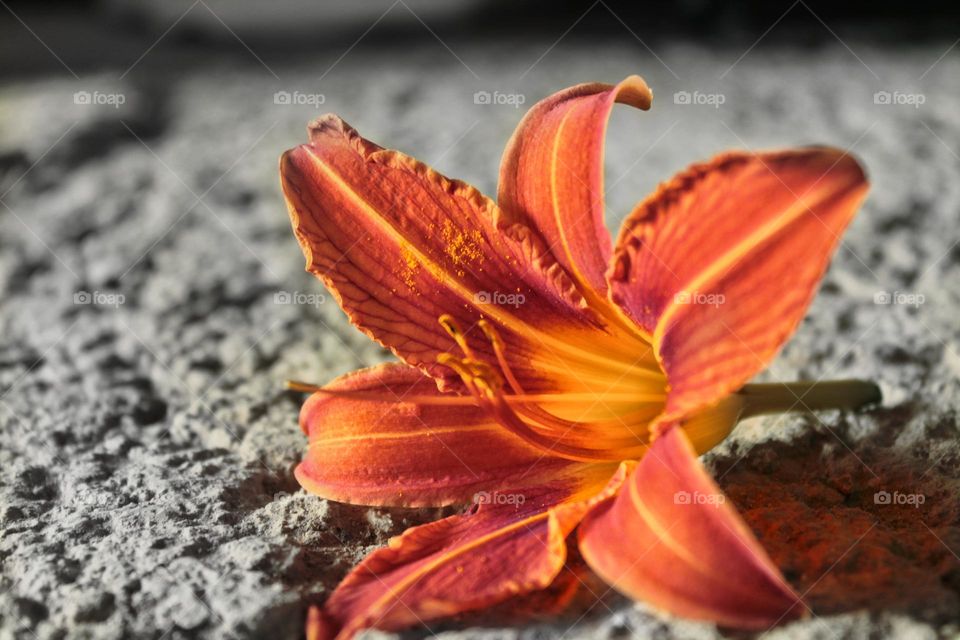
558	380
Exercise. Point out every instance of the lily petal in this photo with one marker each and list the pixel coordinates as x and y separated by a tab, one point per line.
721	263
405	451
552	173
670	538
400	245
461	563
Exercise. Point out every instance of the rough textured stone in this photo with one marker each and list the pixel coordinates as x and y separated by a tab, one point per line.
146	485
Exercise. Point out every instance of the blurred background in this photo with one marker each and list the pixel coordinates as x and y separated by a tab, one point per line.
152	296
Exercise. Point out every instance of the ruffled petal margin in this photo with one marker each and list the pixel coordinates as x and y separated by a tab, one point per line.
721	263
400	245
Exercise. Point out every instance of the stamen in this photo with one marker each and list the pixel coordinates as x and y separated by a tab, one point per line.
499	350
556	445
521	413
487	390
534	411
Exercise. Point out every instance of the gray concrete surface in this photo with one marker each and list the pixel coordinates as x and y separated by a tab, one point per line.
146	485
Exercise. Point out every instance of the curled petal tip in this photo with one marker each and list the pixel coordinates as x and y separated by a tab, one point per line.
841	162
552	174
328	121
634	91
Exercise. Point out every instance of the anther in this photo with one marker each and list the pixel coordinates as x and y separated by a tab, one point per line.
450	325
491	333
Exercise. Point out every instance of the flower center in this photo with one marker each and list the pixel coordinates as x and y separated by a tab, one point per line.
605	391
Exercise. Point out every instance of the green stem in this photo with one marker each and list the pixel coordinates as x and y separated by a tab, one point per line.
780	397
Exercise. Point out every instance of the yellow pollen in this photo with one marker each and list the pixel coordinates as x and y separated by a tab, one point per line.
409	266
462	247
